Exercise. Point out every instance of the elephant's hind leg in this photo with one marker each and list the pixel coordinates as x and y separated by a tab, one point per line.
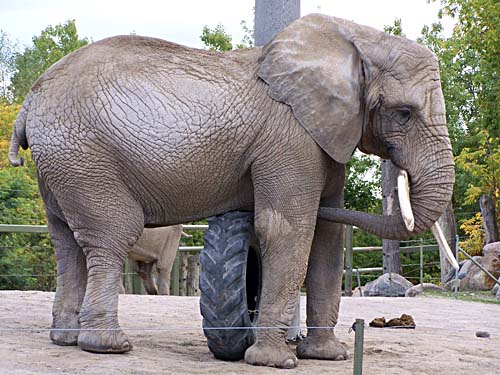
145	271
106	227
71	282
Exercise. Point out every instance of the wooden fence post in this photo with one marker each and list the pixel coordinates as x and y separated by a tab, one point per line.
183	272
174	277
193	275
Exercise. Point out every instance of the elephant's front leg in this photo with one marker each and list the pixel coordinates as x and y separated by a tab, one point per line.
284	226
324	284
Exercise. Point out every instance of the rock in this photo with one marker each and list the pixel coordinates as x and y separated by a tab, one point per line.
420	288
358	291
483	334
496	289
387	285
467	266
493	247
476	279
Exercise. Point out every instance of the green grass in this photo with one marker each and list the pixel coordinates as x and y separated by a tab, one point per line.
475	296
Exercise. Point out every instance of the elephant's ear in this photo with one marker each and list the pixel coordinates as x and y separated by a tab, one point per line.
314	69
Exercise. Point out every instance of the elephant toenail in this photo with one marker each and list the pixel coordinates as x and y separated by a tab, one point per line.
289	363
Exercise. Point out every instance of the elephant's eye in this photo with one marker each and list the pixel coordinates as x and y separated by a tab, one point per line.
402	116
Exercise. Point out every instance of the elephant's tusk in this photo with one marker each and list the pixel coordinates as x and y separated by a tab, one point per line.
443	244
404	200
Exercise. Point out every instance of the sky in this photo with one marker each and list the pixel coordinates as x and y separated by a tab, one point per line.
182	21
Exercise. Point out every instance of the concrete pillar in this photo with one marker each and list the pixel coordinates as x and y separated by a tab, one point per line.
272	16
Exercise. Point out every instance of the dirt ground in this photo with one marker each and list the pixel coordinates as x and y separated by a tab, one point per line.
443	343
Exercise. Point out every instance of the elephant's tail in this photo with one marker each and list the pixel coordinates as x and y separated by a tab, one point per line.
19	134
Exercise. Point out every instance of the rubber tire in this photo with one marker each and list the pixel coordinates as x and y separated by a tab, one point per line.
230	254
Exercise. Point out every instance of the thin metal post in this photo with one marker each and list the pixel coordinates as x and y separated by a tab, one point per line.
293	333
359	282
348	260
421	261
359	327
455	287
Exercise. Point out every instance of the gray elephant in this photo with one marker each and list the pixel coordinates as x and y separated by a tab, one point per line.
156	247
133	131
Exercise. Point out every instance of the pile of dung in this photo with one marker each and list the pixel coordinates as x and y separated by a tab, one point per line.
405	321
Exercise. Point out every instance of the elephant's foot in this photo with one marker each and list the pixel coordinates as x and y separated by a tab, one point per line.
321	347
65	320
104	341
273	355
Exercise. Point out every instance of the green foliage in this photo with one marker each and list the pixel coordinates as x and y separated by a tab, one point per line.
7	58
396	28
20	203
248	37
470	77
474	232
54	43
216	39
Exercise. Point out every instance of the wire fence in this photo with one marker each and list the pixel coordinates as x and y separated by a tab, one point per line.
416	269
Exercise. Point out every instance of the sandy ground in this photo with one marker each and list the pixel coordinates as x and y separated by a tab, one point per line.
443	343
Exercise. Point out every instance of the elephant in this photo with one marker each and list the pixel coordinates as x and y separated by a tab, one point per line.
133	131
156	246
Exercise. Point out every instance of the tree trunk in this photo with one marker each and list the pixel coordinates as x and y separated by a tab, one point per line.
489	219
193	275
391	261
183	273
447	224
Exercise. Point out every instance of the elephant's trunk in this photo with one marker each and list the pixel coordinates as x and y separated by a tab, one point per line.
429	196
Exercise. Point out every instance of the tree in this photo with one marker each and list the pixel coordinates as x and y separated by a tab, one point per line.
20	202
7	55
391	259
470	75
54	43
217	39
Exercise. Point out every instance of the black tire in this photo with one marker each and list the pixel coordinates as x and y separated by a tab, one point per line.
230	284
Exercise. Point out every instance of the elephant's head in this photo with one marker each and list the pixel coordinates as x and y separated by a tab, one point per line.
353	86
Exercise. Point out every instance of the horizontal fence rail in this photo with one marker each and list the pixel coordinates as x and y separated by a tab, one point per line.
180	272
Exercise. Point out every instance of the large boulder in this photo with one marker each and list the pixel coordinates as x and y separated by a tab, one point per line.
387	285
477	279
467	265
496	290
420	288
493	247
